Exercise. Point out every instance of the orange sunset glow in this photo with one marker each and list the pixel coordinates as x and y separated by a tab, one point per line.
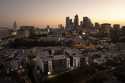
53	12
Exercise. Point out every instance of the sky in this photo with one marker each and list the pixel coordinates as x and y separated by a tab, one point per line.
53	12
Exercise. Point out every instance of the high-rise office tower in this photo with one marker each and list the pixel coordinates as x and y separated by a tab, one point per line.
87	22
76	21
116	26
67	22
97	25
15	25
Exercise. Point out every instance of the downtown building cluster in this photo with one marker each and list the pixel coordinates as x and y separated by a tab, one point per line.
37	54
84	25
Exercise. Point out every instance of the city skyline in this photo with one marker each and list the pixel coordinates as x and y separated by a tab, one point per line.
53	12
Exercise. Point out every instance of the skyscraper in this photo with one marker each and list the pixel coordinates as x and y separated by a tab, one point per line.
15	25
105	28
14	29
67	22
76	21
87	22
86	25
116	26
